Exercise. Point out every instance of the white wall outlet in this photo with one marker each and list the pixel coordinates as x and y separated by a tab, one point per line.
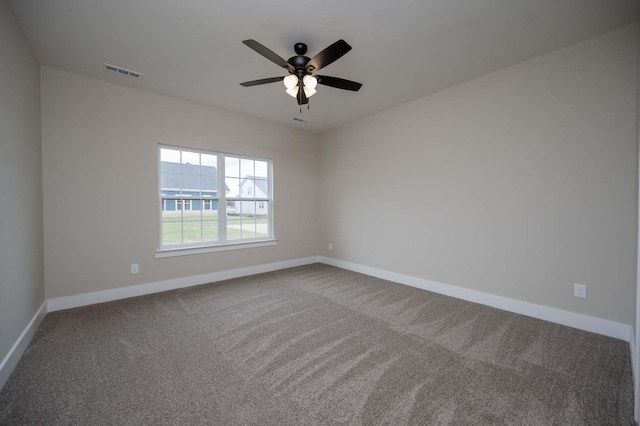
135	268
330	246
580	290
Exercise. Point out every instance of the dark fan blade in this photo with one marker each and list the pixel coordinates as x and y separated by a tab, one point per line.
328	55
268	54
263	81
338	83
302	98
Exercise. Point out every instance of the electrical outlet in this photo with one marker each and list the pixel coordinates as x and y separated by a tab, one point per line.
135	268
580	290
330	246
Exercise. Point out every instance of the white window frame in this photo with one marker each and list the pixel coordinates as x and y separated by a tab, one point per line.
222	244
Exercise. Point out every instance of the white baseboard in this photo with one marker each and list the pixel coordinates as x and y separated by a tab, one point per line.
632	348
85	299
571	319
634	373
11	360
558	316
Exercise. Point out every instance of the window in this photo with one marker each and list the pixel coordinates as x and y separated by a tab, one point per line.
192	184
183	204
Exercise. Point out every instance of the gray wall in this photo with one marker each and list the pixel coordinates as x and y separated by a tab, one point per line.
101	209
21	253
519	183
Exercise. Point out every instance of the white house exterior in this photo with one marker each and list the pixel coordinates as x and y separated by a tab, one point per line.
253	194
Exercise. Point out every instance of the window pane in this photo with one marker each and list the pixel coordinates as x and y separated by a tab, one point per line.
209	231
246	168
191	232
248	228
232	167
262	169
233	187
171	227
189	157
171	233
234	227
262	220
169	160
209	186
189	167
170	183
211	213
191	225
247	189
209	164
210	222
262	188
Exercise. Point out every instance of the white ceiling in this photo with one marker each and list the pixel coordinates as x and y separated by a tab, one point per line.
402	49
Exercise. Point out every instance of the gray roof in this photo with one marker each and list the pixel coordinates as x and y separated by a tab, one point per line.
188	176
260	182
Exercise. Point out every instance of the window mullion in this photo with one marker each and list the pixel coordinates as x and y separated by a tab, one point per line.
270	198
222	201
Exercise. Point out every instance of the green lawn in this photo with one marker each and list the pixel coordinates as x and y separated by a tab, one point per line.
202	227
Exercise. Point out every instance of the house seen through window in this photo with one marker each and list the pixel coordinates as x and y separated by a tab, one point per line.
211	198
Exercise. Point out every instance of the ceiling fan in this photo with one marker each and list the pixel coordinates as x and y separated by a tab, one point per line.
301	83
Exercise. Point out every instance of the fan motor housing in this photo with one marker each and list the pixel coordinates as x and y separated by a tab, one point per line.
299	61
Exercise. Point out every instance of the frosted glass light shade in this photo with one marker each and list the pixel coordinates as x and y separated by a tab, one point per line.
309	92
310	82
293	92
290	81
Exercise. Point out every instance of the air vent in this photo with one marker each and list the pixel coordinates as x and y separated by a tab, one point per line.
123	71
300	119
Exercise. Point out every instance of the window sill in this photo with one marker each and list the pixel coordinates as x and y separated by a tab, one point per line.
186	251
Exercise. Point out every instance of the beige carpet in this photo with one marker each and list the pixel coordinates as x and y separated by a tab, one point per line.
313	345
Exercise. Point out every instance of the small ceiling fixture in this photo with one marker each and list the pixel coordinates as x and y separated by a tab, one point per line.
300	83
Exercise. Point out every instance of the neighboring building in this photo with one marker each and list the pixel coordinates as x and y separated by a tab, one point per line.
250	187
188	180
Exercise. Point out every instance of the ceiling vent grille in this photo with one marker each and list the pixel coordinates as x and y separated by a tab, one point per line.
123	71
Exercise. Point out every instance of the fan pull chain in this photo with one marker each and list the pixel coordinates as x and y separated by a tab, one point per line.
308	107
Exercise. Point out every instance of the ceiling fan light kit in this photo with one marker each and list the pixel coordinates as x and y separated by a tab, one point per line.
290	81
301	83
